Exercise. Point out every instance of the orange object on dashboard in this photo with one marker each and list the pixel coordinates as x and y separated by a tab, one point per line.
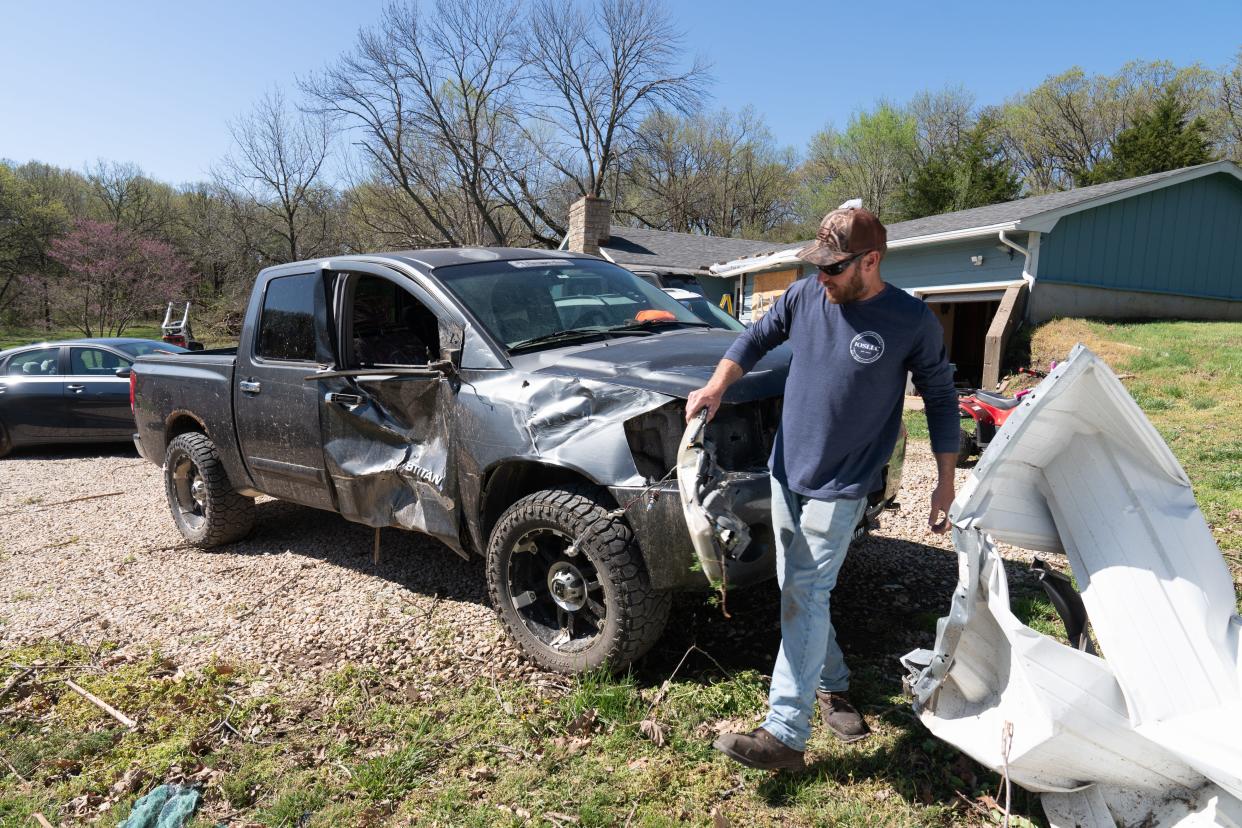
655	316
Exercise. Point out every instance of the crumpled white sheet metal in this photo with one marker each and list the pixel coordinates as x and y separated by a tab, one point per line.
716	533
1151	733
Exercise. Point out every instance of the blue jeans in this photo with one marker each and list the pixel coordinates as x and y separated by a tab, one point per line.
812	537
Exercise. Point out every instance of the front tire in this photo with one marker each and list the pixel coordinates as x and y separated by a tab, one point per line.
6	445
204	505
569	583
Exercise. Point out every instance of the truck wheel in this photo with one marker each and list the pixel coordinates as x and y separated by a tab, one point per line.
204	506
569	583
6	445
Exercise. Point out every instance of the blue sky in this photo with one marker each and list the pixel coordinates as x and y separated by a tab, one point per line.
155	83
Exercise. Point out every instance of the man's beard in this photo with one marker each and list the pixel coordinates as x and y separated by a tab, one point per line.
848	291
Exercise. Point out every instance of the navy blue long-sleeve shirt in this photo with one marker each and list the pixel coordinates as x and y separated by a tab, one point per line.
844	394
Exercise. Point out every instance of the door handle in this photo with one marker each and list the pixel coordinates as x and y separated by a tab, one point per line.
250	386
77	389
350	400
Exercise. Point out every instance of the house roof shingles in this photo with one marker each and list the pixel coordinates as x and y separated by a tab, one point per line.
640	247
657	248
1017	210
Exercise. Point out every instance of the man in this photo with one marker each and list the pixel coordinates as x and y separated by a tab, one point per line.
854	337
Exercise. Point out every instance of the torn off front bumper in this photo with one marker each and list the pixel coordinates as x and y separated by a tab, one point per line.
1152	732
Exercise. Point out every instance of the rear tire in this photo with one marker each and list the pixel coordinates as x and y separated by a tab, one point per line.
967	447
6	445
569	583
204	505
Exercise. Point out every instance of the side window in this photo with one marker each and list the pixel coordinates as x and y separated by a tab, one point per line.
389	326
39	363
287	324
94	362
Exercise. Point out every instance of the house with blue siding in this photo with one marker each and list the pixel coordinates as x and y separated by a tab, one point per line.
1167	245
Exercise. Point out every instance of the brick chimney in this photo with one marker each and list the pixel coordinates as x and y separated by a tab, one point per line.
590	224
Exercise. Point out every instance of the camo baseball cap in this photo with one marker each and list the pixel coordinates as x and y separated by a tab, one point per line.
845	232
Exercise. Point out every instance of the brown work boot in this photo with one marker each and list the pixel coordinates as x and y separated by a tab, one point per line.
840	717
759	749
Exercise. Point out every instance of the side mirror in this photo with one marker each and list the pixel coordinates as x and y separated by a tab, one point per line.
124	372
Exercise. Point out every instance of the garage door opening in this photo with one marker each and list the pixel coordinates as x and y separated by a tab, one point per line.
965	318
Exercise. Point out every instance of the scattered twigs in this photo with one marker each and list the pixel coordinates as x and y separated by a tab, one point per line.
504	705
44	506
1006	744
14	771
41	819
77	621
259	604
102	705
668	682
14	680
228	724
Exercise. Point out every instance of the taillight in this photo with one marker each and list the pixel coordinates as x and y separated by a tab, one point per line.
133	380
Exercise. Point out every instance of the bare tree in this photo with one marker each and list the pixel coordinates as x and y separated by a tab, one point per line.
432	102
275	177
1230	106
941	119
601	73
127	197
715	174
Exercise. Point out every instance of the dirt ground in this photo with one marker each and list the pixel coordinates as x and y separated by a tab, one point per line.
89	554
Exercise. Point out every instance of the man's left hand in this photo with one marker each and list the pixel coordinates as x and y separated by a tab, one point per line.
941	500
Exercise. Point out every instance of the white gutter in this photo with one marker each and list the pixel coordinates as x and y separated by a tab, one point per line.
961	287
952	235
1026	254
736	267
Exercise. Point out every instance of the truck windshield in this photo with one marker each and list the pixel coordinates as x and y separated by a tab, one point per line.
522	301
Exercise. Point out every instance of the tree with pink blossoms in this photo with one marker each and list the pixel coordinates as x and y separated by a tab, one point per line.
113	276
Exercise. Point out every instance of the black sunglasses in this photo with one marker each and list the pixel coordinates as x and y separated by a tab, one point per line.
837	268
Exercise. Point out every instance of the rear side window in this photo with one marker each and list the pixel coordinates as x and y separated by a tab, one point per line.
287	326
37	363
94	362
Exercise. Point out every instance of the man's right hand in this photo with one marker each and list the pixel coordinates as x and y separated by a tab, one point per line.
706	397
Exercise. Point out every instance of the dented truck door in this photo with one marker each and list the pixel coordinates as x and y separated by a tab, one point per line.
386	406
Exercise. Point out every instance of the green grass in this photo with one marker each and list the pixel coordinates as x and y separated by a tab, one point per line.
352	750
11	337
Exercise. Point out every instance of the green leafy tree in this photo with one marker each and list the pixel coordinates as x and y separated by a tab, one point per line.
29	222
1163	139
871	159
973	172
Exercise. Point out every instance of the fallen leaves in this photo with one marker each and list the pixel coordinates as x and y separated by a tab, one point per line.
654	731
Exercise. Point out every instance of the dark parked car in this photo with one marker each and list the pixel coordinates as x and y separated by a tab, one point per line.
69	392
526	406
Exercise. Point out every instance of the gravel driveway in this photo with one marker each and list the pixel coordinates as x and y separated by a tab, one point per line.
301	594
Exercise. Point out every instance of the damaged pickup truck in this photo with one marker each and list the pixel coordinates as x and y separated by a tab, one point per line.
522	405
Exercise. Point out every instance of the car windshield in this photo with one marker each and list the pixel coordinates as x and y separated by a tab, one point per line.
711	314
531	301
148	346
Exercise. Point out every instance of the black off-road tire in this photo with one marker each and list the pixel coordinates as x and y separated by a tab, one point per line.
6	445
606	555
206	509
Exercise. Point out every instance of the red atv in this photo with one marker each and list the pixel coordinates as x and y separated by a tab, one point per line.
988	412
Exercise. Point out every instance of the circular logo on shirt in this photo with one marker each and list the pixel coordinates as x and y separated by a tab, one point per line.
867	347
